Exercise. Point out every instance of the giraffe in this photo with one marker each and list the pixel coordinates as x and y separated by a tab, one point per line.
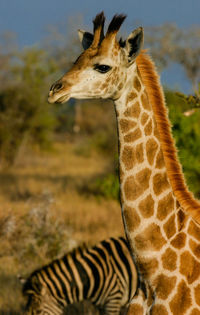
161	217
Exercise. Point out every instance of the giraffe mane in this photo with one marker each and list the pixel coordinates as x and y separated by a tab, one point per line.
155	93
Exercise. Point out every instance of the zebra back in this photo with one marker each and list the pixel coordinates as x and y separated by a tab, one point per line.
104	274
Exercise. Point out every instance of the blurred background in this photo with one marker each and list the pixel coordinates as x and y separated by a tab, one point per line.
58	164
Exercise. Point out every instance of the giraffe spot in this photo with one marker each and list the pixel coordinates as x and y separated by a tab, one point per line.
147	266
130	97
133	110
156	132
197	294
164	286
189	267
181	300
144	118
139	153
137	84
131	217
145	101
121	174
169	259
104	85
159	309
195	311
127	124
135	309
143	177
181	219
128	157
120	86
150	238
170	227
165	206
151	148
133	136
148	128
179	240
160	163
195	247
134	187
146	207
194	230
160	183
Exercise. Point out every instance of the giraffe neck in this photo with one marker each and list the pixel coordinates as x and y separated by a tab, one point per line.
146	194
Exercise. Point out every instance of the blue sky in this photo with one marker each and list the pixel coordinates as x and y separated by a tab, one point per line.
29	19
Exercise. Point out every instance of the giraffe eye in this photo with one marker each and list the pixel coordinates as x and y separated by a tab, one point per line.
102	68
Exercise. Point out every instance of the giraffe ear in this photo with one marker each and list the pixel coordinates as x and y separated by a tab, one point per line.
134	44
86	38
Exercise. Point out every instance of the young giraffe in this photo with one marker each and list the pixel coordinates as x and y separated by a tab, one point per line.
161	217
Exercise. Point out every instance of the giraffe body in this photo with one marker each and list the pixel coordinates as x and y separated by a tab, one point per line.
161	218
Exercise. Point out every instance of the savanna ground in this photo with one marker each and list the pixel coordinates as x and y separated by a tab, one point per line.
46	210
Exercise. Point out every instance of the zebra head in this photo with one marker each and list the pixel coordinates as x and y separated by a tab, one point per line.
39	300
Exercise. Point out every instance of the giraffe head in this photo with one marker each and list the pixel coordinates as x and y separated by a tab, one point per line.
101	70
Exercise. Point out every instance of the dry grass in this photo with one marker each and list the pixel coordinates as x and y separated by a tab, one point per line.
43	215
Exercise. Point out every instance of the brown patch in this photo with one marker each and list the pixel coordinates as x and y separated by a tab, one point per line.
132	219
194	230
164	286
189	267
170	227
159	309
169	259
150	238
181	219
160	163
179	240
147	266
120	86
128	157
104	85
148	128
160	183
195	311
143	177
145	101
121	174
195	247
144	118
137	84
133	111
134	187
181	300
165	206
197	294
127	124
139	152
151	148
133	136
130	97
135	309
146	207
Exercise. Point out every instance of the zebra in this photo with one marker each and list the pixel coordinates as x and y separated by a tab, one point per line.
105	275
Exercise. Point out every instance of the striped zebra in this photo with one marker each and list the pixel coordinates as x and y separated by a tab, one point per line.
104	274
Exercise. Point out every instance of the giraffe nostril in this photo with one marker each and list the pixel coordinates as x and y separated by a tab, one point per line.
56	87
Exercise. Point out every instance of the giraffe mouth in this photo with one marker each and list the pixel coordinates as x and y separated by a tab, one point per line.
59	100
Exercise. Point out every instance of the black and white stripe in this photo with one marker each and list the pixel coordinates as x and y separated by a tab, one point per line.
104	274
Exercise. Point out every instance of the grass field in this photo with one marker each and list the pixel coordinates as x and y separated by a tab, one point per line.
45	212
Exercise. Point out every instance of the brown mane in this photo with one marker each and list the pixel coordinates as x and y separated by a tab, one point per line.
155	93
